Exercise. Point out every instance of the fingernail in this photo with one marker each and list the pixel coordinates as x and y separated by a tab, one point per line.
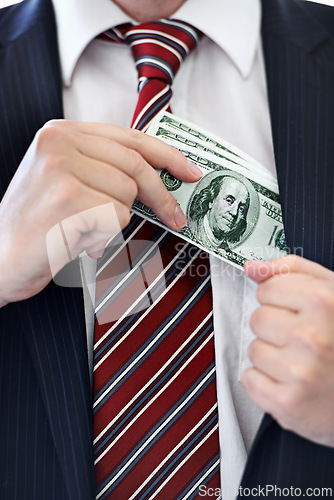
179	217
195	170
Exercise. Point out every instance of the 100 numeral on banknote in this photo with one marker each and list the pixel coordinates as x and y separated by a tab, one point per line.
232	212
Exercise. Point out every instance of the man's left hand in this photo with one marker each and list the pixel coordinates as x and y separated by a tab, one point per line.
293	355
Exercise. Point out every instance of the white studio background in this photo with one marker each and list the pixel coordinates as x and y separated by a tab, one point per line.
6	3
328	2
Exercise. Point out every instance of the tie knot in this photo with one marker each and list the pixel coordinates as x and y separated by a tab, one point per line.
158	47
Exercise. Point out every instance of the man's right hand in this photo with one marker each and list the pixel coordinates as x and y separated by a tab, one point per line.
73	171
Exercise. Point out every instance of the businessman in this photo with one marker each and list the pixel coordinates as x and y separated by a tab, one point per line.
269	93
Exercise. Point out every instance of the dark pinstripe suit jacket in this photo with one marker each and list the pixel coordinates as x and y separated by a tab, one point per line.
45	400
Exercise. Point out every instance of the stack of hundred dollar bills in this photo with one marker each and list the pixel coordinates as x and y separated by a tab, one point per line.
233	211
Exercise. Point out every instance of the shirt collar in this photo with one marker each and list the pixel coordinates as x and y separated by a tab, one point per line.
234	25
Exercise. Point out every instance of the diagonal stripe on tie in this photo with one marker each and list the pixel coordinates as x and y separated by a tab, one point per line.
155	404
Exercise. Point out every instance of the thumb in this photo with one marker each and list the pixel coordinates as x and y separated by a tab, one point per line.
261	270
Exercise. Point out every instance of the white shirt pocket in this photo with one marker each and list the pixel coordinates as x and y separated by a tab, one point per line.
250	303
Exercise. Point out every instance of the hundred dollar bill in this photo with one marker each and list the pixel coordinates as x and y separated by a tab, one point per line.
232	212
186	132
181	142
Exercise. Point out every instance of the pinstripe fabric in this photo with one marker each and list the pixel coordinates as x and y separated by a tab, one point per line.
58	348
300	72
155	404
24	444
45	395
303	124
297	39
39	432
40	98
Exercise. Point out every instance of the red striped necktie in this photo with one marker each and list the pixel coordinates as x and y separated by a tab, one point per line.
158	50
155	404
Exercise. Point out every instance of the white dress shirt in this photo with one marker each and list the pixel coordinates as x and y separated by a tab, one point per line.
221	87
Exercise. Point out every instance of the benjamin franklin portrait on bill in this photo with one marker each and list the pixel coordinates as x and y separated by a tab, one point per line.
223	210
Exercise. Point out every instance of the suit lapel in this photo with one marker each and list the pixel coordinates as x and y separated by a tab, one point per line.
300	74
55	331
299	60
53	322
30	83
